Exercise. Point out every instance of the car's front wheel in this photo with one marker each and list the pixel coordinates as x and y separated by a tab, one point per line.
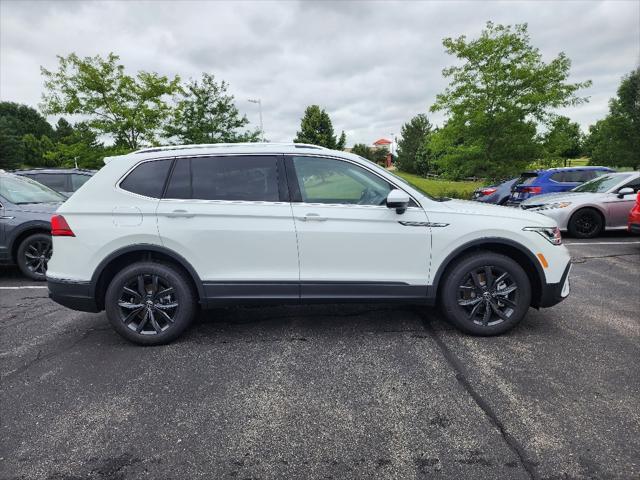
486	294
34	252
150	303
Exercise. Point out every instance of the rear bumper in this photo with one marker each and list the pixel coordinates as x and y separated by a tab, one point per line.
634	227
554	293
72	294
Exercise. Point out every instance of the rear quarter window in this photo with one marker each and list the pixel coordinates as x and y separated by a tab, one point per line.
148	178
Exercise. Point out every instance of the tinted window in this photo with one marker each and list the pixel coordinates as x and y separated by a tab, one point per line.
248	178
583	176
148	178
558	177
527	178
57	181
78	180
635	184
324	180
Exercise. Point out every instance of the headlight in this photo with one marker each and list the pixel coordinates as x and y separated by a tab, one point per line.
552	234
553	205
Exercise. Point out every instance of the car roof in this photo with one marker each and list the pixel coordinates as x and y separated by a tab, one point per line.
571	169
53	170
226	148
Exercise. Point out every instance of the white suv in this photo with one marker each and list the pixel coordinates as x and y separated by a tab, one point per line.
159	232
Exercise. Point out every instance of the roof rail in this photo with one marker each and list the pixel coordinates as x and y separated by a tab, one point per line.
164	148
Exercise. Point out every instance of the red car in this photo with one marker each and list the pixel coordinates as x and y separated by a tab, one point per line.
634	217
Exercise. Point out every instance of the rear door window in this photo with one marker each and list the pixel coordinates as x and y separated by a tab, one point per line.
148	178
56	181
235	178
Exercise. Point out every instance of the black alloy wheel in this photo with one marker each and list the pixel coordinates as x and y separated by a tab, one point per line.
485	293
150	303
585	223
34	254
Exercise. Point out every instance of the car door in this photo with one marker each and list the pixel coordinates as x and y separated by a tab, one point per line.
350	244
4	217
619	208
230	218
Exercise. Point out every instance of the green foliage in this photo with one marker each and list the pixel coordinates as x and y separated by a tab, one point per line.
206	113
561	142
130	109
615	140
363	150
441	188
16	121
342	141
34	150
498	94
316	128
411	148
377	155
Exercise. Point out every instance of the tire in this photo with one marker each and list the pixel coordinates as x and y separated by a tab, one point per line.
139	314
465	299
33	255
585	223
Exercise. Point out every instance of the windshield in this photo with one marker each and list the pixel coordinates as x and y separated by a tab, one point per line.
21	190
601	184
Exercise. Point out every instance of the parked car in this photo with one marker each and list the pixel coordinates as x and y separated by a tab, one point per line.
587	210
25	230
553	180
497	193
633	224
63	180
157	232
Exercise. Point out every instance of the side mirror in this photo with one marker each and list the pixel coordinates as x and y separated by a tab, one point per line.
399	200
625	191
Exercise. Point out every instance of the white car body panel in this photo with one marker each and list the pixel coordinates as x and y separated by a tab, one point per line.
268	241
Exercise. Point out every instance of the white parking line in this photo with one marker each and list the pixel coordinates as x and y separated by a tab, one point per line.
23	287
601	243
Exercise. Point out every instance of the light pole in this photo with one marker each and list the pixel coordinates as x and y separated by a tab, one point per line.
259	102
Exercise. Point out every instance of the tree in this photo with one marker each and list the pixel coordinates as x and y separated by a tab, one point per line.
130	109
16	121
563	140
363	150
63	130
615	140
316	128
414	134
206	113
499	93
342	141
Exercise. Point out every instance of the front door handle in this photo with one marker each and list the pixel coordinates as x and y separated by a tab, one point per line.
179	214
313	217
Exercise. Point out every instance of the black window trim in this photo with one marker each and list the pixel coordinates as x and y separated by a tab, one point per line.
296	195
119	187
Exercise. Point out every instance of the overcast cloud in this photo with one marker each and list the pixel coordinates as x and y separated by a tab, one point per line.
371	65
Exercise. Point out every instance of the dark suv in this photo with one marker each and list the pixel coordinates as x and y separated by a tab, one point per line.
25	229
62	180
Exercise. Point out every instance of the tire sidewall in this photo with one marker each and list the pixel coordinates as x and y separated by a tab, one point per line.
449	294
572	223
183	292
20	255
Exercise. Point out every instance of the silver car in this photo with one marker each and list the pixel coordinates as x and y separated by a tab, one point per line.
599	204
25	229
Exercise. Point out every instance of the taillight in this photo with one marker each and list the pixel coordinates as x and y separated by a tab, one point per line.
60	227
532	189
487	191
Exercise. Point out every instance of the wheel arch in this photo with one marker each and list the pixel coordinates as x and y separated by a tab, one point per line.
514	250
590	206
114	262
22	232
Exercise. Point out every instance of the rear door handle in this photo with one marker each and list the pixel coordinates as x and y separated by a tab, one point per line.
313	217
179	214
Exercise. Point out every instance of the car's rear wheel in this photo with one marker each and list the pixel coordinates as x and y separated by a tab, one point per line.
485	294
34	252
150	303
585	223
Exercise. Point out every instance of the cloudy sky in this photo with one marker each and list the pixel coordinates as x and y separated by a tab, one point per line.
371	65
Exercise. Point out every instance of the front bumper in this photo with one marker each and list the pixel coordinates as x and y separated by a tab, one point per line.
554	293
72	294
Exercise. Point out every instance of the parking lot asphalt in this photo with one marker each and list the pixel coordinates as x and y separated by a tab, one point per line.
334	391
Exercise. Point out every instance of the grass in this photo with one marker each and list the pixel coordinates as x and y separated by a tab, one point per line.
441	188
